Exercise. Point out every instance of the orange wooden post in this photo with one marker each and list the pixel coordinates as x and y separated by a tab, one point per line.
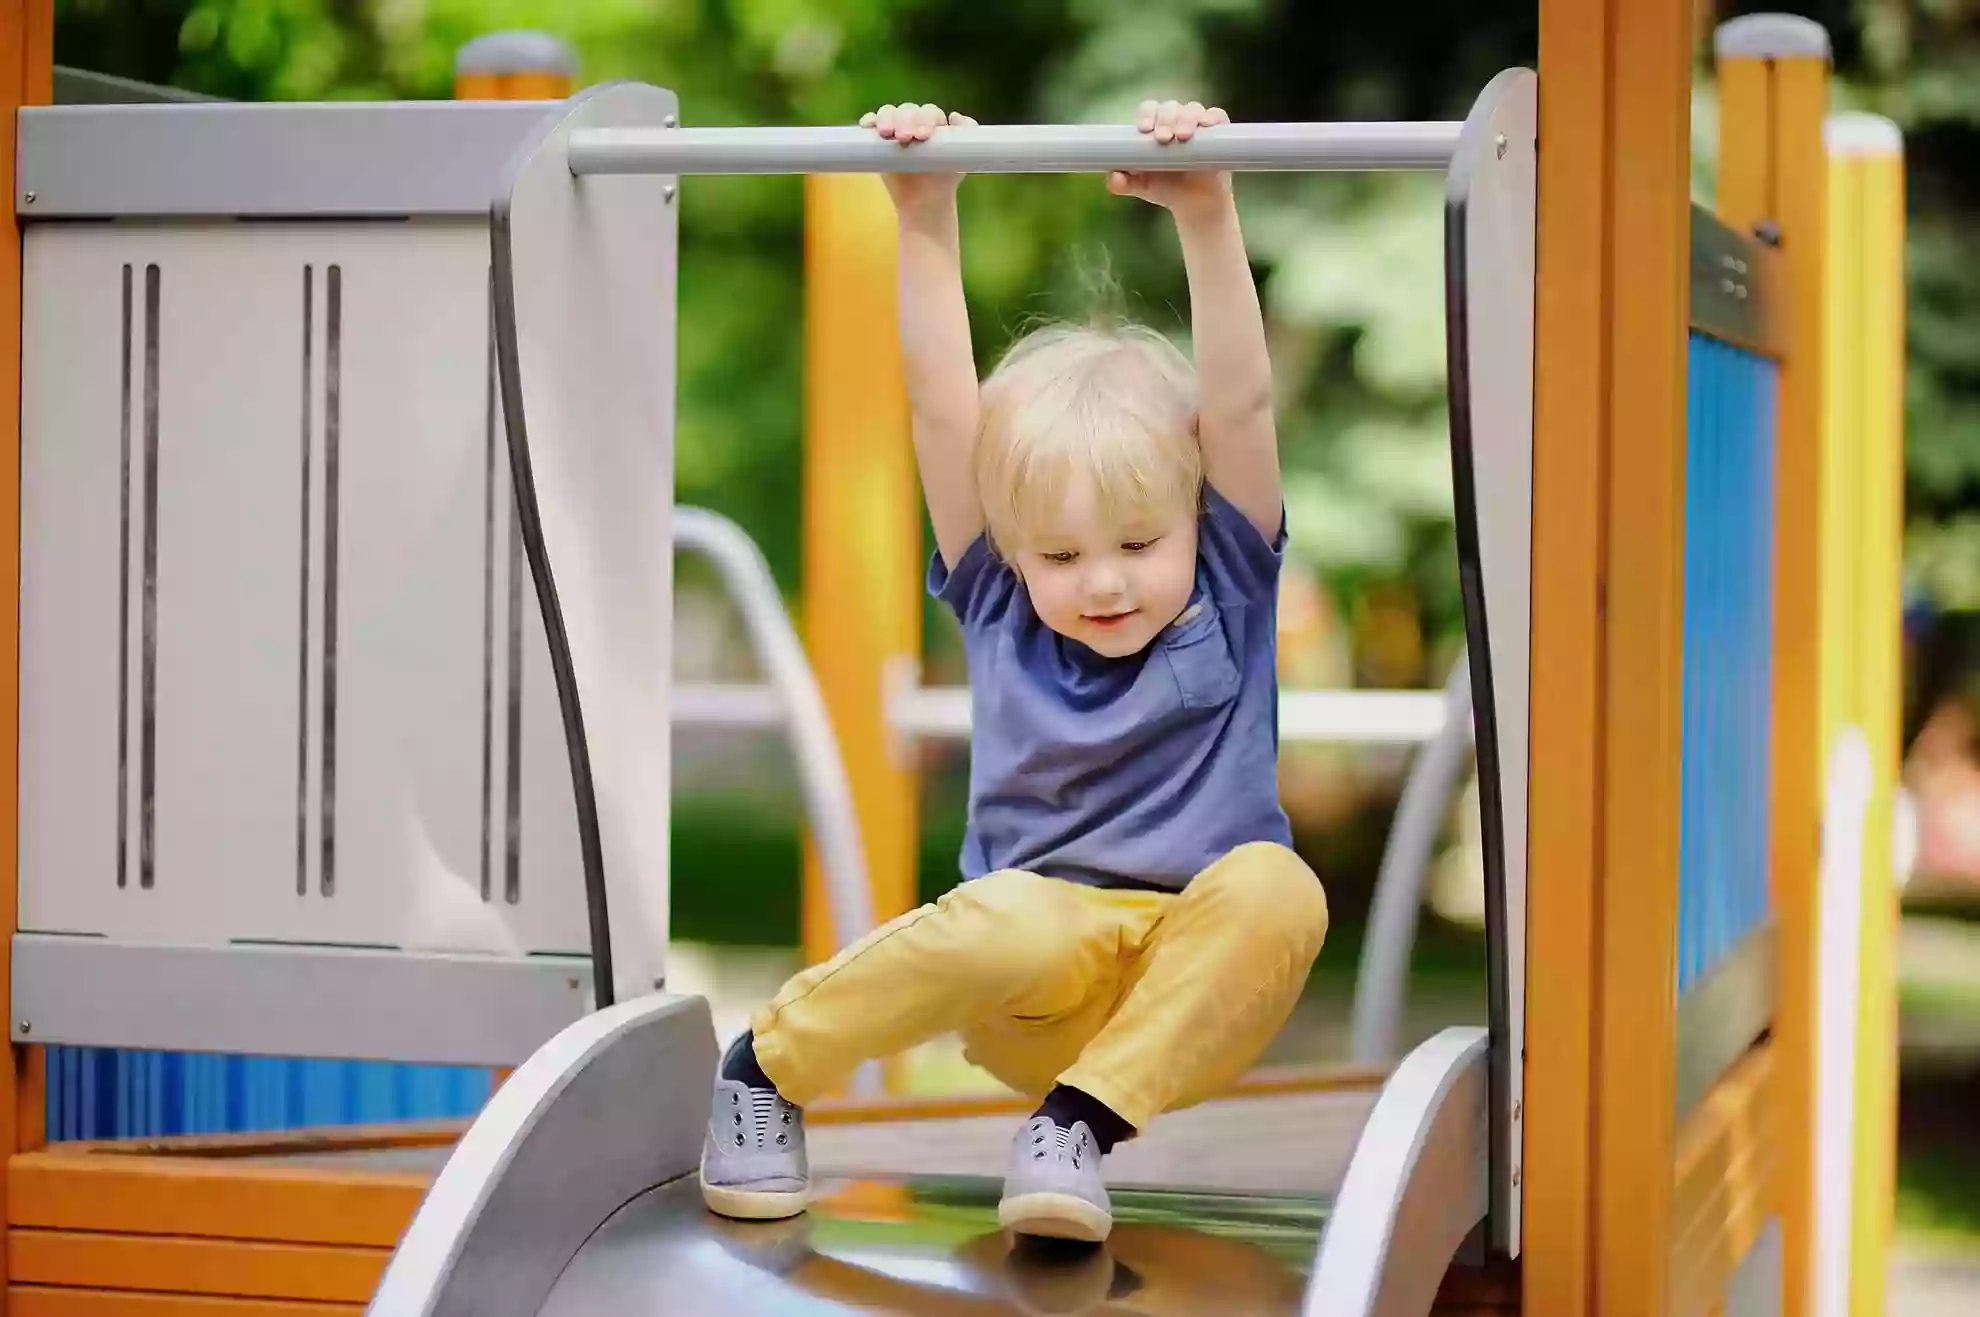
1774	79
1611	308
1570	406
1643	619
863	556
514	66
27	62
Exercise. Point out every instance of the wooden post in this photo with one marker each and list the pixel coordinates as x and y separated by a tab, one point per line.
1862	503
27	63
863	555
1611	308
514	66
1774	87
1570	409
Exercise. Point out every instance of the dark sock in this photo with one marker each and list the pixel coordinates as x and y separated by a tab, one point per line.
1065	1105
739	1063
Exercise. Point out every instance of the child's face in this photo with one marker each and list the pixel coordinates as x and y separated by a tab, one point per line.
1110	587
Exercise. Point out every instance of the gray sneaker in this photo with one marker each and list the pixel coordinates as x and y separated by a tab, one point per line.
1053	1187
753	1164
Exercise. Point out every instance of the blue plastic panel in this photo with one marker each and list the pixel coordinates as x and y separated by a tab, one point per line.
1728	649
96	1093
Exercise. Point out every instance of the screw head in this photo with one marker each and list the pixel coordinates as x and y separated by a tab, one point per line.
26	1028
667	193
670	122
1500	143
30	198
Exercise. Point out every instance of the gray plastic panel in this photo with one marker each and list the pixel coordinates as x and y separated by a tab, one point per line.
343	1002
315	160
1722	1015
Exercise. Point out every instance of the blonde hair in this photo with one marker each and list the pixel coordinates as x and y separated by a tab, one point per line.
1115	401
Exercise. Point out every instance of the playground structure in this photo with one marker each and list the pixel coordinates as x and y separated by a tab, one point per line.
1635	914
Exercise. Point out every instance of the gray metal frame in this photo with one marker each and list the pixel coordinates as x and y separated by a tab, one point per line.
1382	981
300	1001
224	160
1012	149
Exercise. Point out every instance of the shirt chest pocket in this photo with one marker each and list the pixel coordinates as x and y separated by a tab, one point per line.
1198	652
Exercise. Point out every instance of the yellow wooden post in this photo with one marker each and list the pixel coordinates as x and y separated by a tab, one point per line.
863	557
514	66
1863	461
1774	81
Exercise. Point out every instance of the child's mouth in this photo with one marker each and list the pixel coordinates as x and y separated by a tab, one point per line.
1110	619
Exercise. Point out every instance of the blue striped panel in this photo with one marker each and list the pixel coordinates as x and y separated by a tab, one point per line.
97	1093
1728	649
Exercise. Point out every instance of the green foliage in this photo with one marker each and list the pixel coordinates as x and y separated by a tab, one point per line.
1350	267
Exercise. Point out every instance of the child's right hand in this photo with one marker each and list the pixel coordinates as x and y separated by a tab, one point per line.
908	124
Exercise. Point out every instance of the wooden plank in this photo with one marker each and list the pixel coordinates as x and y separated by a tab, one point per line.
39	1301
1265	1083
31	1104
174	1265
154	1196
1570	415
271	1143
1723	1182
1648	274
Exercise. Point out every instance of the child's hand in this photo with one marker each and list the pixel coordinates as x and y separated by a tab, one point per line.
908	124
1186	193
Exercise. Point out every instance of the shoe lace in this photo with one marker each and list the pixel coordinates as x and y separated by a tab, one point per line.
765	1109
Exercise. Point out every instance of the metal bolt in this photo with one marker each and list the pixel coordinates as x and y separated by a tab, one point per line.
1515	1177
670	122
30	198
1500	142
668	192
572	983
1518	1110
26	1028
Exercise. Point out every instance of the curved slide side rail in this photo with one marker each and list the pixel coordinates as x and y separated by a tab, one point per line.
821	770
1417	1186
610	1107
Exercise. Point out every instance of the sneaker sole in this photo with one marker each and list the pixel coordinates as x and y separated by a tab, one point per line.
753	1204
1055	1216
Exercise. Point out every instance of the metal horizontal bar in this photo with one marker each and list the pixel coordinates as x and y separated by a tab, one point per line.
1012	149
942	713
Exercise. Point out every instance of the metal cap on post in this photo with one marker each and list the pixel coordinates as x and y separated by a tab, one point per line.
515	66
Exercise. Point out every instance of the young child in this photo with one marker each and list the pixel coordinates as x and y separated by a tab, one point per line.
1133	927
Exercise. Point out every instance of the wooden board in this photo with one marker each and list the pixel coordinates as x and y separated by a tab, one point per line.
230	1268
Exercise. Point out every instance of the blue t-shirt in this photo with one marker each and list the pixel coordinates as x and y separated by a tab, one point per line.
1123	772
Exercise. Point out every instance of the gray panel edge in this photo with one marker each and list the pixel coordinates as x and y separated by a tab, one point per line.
1723	1014
275	160
1735	286
268	1000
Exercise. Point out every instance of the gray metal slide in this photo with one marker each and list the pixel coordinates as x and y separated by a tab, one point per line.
575	1194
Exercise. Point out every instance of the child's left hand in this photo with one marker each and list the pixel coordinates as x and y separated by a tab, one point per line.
1183	192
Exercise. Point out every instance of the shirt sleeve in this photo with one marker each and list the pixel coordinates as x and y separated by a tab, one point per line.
1242	563
979	589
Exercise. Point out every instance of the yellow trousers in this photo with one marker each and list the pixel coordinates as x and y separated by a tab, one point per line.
1148	1001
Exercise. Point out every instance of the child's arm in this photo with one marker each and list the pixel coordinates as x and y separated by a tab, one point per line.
1233	368
936	357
